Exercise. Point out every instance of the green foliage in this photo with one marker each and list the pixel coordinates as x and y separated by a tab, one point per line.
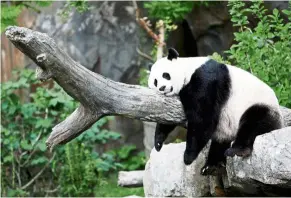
165	10
143	77
78	178
11	10
25	127
9	15
43	3
219	58
81	6
109	189
128	158
26	123
169	12
81	157
264	50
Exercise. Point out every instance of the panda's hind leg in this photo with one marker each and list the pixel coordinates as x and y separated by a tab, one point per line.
215	163
256	120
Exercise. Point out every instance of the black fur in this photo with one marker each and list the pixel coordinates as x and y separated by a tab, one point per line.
162	88
215	162
161	134
257	120
202	99
167	76
156	82
172	54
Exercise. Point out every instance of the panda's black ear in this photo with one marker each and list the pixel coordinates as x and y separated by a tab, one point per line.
172	54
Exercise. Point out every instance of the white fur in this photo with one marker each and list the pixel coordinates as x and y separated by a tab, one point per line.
246	90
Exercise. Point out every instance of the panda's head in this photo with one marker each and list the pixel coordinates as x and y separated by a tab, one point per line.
165	76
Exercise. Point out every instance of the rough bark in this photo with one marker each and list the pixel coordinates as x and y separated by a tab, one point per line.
97	95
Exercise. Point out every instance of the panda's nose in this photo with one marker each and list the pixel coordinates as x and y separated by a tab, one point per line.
162	88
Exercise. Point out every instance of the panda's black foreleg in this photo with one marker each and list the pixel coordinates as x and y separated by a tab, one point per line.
161	134
256	120
195	142
215	163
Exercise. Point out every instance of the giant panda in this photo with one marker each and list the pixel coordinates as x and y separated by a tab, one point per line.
221	102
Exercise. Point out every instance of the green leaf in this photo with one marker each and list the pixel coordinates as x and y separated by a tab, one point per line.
24	144
42	146
39	160
8	158
43	123
124	152
53	102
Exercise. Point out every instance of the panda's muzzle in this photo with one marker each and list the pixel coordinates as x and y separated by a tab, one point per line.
162	88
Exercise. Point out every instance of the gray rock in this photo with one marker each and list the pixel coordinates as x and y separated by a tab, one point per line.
266	172
269	164
166	175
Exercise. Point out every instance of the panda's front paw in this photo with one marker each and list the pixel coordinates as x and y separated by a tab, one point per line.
159	139
189	157
158	146
213	170
242	152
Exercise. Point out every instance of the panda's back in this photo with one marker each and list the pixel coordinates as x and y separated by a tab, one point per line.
246	90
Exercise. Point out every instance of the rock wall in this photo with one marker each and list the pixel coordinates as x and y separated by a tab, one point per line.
102	39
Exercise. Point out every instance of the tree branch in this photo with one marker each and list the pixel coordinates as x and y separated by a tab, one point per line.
98	95
39	173
130	178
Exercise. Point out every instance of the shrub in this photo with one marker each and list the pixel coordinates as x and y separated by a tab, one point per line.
264	50
26	123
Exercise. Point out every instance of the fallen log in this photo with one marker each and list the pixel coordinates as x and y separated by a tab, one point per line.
130	178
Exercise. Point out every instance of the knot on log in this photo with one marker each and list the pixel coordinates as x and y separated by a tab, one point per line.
42	75
41	57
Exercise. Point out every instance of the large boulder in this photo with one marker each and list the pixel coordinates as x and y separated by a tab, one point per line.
266	172
167	176
267	169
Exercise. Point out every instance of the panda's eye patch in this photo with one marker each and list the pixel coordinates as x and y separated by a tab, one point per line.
156	82
166	76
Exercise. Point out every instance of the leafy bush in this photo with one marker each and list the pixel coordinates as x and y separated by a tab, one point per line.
264	50
26	123
128	158
25	126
